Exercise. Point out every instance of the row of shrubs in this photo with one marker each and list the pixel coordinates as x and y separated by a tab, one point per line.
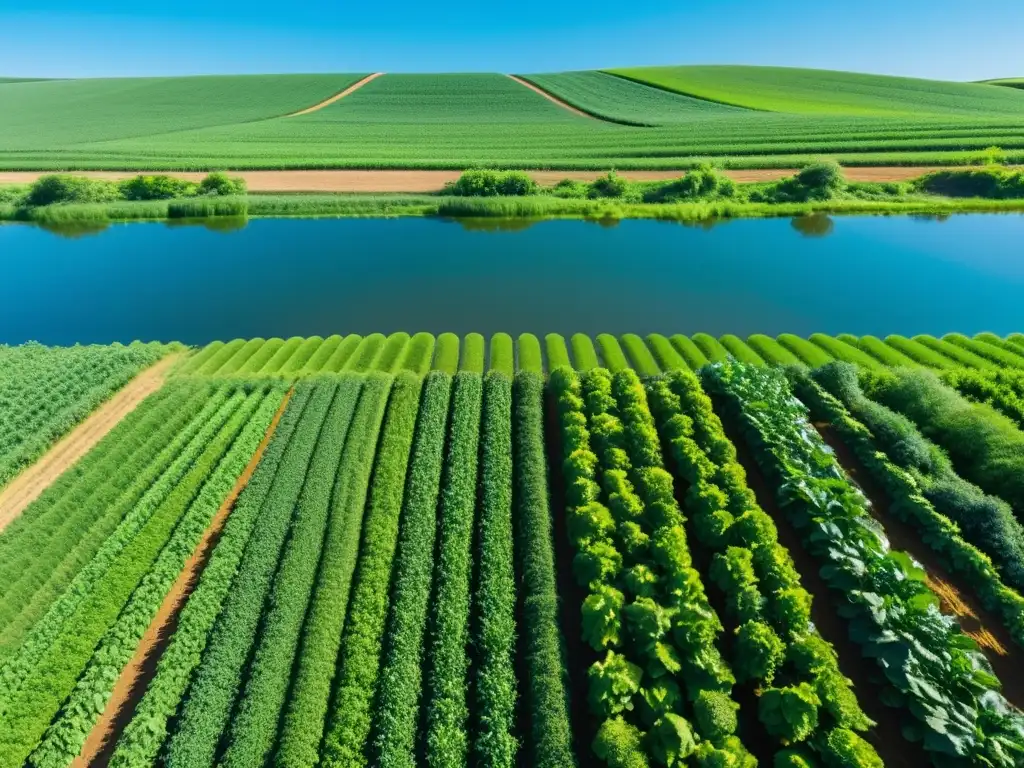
63	188
817	182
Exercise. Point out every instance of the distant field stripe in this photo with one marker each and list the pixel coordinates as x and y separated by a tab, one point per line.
640	356
667	356
262	356
1015	352
350	718
446	354
494	687
955	353
883	352
473	353
254	722
771	351
1017	339
446	710
220	675
529	354
611	352
284	353
199	358
680	91
224	354
553	99
240	358
739	350
584	355
336	97
317	363
502	356
918	352
557	351
339	359
302	726
993	354
809	354
302	355
391	355
690	352
419	353
711	347
399	688
842	350
365	355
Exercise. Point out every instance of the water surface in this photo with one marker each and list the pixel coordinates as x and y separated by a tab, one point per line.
285	277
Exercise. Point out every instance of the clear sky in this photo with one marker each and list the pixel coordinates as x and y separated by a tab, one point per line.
949	39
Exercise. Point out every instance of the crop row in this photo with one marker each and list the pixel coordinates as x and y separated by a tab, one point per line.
933	672
803	698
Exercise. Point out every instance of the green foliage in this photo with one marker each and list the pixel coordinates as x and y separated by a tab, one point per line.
818	181
221	184
671	740
739	350
620	745
570	189
473	353
205	207
759	651
705	182
611	353
557	351
530	356
502	356
154	188
613	683
446	354
610	185
667	357
481	182
844	748
790	713
445	703
711	347
643	361
715	714
61	188
771	350
583	353
992	183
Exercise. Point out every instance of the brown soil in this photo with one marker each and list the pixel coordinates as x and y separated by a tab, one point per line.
140	671
986	628
337	96
433	181
26	487
552	98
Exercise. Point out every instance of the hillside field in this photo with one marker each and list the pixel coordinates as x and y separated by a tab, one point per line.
666	117
621	551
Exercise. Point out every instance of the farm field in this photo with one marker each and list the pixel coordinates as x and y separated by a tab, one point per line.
616	550
454	121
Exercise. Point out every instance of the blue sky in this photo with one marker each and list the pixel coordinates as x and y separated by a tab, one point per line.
948	39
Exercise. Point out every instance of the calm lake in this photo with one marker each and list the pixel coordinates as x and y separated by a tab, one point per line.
291	277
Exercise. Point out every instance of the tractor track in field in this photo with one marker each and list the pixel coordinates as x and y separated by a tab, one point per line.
139	672
420	181
62	455
554	99
336	97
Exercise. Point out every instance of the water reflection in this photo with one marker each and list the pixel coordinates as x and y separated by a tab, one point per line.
814	225
74	230
212	224
494	224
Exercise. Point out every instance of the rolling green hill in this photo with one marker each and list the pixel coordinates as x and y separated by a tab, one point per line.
1011	82
781	89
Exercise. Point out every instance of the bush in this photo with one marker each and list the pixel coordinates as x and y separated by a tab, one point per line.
993	183
61	188
703	183
570	188
156	188
221	184
481	182
819	181
611	185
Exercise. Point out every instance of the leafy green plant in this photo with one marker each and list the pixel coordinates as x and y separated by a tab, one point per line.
482	182
222	185
610	185
156	188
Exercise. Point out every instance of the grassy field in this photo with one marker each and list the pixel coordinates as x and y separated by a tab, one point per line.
405	550
1011	82
458	121
814	91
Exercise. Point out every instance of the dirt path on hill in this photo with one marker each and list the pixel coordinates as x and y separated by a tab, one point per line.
983	626
433	181
337	96
552	98
26	487
139	672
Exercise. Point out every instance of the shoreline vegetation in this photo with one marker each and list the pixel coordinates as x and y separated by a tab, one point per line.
703	194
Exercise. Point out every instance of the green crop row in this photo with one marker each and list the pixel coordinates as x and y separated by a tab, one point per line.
911	503
233	449
445	702
1000	389
350	719
255	717
802	694
494	687
305	714
545	693
219	677
933	671
146	732
399	688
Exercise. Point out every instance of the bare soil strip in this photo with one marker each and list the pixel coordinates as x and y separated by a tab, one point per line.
412	181
140	671
26	487
337	96
975	620
552	98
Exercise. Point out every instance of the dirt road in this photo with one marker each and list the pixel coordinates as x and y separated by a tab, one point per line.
27	486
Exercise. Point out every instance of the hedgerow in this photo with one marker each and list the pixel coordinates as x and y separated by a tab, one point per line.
254	722
80	711
224	354
1016	352
446	354
446	710
739	350
419	353
691	353
263	355
883	352
220	675
930	667
530	356
473	353
493	630
349	720
710	347
302	725
918	352
197	359
145	733
1001	389
324	351
502	358
841	350
643	361
302	356
808	353
364	357
240	358
666	355
399	689
558	352
276	365
955	353
994	353
584	355
390	359
545	691
337	362
612	355
771	351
